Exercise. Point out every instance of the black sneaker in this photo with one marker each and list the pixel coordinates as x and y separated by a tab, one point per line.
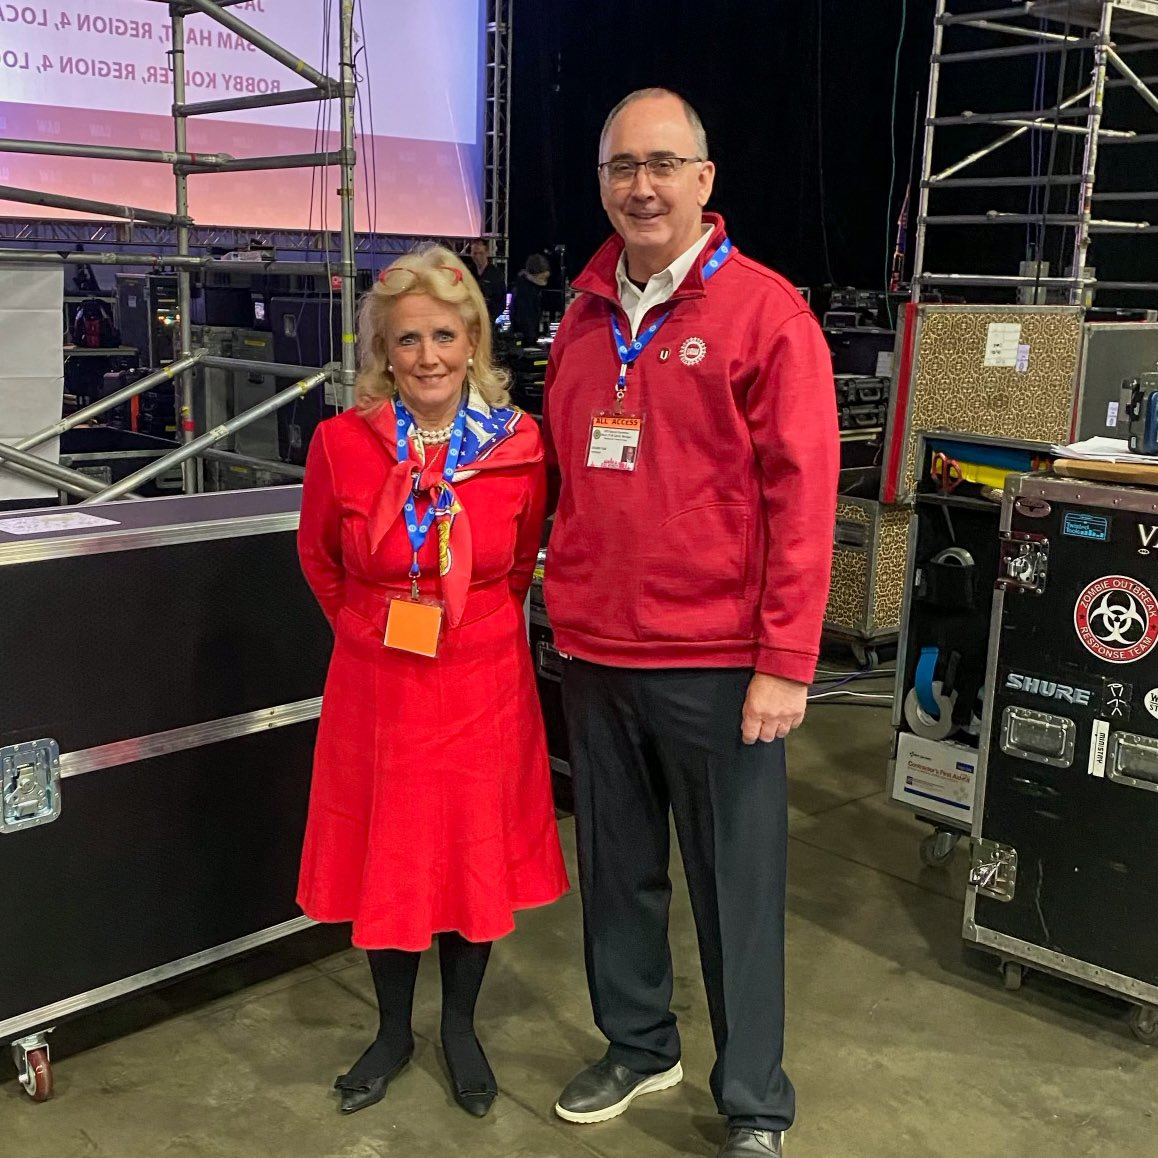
604	1090
745	1143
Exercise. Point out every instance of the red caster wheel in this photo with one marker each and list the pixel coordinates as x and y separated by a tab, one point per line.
34	1067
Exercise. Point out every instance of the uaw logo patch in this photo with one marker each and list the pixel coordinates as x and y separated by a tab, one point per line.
693	351
1116	619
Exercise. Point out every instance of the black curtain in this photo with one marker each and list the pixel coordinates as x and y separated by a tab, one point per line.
803	120
751	69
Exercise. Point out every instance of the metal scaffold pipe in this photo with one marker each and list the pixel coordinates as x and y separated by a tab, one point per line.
209	439
111	152
50	472
40	257
259	40
109	402
346	193
84	205
190	475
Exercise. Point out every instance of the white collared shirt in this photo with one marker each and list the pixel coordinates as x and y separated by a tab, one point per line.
660	287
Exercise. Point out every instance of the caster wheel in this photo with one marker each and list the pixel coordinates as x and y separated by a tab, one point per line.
36	1075
1012	975
1144	1023
867	658
937	849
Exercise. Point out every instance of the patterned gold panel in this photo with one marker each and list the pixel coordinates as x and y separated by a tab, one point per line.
879	565
953	389
889	567
848	594
851	512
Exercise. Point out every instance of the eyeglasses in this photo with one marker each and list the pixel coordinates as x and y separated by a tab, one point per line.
659	169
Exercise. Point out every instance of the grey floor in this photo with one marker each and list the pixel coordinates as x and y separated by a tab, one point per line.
899	1042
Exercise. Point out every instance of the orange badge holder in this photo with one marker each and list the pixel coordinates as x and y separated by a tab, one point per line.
414	626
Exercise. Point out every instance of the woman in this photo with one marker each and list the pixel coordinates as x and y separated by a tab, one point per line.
431	810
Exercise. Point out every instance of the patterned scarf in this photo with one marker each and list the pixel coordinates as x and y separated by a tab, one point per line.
487	429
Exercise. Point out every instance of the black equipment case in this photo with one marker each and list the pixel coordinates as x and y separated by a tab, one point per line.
1064	874
164	678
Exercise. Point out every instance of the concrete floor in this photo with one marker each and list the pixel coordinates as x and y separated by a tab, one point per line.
899	1042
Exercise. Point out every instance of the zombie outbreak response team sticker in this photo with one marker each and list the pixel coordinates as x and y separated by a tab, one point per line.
1116	619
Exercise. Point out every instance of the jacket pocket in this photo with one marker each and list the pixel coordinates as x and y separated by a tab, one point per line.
695	579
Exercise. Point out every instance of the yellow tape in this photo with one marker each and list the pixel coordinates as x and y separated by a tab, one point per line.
986	476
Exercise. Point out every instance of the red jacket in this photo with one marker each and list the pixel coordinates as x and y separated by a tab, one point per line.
716	551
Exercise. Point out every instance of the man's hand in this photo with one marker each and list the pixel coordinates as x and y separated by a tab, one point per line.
773	707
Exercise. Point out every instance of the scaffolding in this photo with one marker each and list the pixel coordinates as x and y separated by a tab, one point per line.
161	236
135	228
1106	34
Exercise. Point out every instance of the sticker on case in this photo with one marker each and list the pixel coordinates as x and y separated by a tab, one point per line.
1116	619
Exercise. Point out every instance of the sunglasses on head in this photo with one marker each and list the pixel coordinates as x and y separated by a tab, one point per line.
456	274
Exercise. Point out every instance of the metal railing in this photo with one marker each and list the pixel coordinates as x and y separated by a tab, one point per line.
17	457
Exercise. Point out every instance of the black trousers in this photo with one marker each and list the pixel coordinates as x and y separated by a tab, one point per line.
644	742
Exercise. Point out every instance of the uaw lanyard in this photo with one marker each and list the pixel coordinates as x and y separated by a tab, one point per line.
415	624
615	436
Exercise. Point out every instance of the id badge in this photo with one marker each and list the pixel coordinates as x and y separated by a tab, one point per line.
414	626
614	441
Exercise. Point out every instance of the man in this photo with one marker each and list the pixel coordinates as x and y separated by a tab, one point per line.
691	411
527	298
490	281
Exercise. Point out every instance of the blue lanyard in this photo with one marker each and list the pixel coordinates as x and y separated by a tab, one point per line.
628	353
419	530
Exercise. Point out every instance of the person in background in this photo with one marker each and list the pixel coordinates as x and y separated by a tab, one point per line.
490	280
431	813
691	410
527	304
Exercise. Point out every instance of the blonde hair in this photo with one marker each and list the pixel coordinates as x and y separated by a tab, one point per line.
438	273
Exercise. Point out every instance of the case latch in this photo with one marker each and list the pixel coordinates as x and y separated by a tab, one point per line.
29	785
994	869
1024	562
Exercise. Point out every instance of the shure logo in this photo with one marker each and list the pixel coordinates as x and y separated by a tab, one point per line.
1047	688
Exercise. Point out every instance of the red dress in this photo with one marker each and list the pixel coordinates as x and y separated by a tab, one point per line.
431	806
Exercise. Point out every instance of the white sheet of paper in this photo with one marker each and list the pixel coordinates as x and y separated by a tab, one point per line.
1001	343
1099	449
50	524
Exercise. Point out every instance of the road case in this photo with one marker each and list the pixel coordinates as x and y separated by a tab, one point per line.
161	687
868	574
945	618
1064	871
1003	371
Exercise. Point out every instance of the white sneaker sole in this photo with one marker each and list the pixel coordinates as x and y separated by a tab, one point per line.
651	1085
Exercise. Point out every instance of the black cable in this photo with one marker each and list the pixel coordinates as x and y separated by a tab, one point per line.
820	137
849	704
1063	69
1035	149
893	151
319	140
372	210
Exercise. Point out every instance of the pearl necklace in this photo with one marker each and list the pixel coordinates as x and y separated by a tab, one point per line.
435	437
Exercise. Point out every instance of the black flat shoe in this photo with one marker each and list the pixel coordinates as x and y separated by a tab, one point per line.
358	1093
472	1081
477	1103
